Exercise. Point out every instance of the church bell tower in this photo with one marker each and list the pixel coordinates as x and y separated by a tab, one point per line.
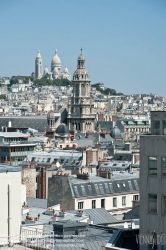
38	66
81	108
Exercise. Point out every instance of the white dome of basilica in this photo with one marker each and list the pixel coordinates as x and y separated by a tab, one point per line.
46	70
55	71
56	60
66	69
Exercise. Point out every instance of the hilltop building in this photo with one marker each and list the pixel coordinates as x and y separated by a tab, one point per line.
38	66
56	68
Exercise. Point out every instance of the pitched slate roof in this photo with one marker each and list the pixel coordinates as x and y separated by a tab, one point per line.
36	122
98	186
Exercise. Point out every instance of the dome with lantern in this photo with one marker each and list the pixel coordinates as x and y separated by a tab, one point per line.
46	71
56	60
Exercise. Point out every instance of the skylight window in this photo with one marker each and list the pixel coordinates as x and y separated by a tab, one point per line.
106	187
97	188
90	189
136	184
101	188
83	190
130	185
76	191
111	187
48	160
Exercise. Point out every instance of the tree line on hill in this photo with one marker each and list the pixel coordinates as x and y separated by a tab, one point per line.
44	81
108	91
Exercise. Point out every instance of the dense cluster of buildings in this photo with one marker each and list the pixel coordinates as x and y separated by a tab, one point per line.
78	165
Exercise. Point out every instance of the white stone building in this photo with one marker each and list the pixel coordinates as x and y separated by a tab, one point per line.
88	191
56	68
12	195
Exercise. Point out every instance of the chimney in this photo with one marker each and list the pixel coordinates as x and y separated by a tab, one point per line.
83	176
128	146
62	213
130	169
80	213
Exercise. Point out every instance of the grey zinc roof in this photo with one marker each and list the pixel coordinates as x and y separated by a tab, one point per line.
36	122
62	129
36	202
98	216
66	157
34	211
96	241
106	125
9	168
84	142
98	186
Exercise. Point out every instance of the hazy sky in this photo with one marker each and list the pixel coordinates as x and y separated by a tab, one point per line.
123	41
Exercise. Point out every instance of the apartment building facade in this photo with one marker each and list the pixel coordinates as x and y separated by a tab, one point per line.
153	183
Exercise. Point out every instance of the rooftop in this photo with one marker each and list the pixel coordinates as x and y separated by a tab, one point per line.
120	182
13	134
4	168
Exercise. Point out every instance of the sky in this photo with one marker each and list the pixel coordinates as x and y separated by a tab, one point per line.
123	41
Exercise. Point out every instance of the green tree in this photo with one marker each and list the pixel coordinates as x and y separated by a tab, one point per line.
13	80
56	82
2	96
26	80
108	91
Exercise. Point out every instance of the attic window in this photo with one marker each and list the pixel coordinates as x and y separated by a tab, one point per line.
111	187
101	188
90	189
136	184
118	185
130	185
48	160
83	190
76	191
124	185
97	188
106	187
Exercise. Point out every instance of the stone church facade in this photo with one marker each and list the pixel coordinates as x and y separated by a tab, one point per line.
81	115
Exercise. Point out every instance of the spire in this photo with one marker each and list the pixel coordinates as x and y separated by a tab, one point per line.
56	52
81	61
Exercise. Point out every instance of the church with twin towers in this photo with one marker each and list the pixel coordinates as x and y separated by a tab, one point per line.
80	115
